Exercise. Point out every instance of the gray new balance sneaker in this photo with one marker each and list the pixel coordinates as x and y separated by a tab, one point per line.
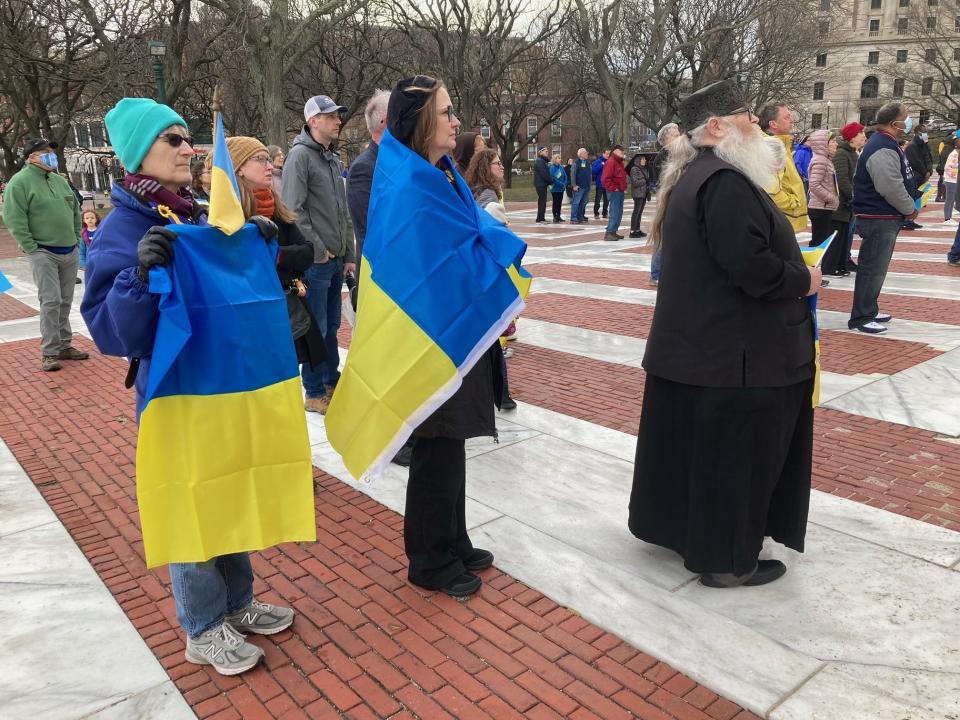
225	649
260	618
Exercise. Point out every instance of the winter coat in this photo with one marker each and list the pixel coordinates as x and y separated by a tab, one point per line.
639	182
921	160
844	165
559	175
598	171
824	194
614	176
118	308
39	208
950	167
358	191
884	186
313	188
541	173
294	257
790	195
582	173
802	155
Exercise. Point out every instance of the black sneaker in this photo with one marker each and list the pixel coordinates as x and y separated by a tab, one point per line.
463	585
508	403
766	572
478	560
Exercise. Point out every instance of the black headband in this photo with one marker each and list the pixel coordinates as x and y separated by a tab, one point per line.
406	102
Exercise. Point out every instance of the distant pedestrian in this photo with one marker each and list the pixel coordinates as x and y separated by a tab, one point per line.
919	155
600	194
615	184
90	220
558	188
313	188
200	181
845	164
824	198
361	173
639	190
581	178
788	193
276	162
42	214
883	197
950	167
542	180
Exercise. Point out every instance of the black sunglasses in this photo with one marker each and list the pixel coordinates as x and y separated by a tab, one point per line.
175	140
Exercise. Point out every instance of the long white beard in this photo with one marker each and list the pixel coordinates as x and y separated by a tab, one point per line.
751	155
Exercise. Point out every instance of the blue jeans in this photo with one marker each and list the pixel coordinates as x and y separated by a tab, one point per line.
205	592
851	231
655	265
579	203
324	285
954	254
616	211
879	239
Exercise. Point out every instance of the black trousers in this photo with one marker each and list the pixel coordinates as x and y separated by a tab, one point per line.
637	215
434	520
541	204
821	225
601	192
557	204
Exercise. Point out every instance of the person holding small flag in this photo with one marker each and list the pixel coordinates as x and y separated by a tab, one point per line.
214	597
724	450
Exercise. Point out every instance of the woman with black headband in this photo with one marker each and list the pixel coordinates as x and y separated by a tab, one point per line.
441	556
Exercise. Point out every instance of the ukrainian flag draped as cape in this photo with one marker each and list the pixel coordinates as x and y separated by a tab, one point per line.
223	457
813	256
440	280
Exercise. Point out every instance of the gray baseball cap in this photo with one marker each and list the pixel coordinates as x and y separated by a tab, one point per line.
321	105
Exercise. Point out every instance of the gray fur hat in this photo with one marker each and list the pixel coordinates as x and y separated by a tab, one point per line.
717	99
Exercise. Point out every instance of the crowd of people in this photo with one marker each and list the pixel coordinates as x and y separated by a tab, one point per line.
724	451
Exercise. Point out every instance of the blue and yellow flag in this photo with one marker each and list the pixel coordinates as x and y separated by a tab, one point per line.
927	191
813	256
223	457
225	210
4	283
440	280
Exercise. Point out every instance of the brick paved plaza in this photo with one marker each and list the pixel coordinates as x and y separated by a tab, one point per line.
577	619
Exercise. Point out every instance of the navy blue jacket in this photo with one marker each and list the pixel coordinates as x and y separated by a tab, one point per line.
117	306
358	192
581	172
883	183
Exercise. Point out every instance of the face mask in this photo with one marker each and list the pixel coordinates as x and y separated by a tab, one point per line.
923	136
49	159
908	124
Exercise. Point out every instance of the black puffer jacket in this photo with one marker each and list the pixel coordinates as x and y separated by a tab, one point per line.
469	412
844	164
296	253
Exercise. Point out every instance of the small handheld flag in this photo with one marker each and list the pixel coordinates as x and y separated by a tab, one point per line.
4	283
813	256
926	192
225	211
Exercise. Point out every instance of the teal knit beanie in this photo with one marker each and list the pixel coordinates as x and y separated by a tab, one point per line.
134	125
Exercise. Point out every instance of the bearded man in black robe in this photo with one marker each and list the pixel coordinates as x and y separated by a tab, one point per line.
725	444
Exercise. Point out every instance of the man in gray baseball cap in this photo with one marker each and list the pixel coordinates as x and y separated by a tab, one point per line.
313	188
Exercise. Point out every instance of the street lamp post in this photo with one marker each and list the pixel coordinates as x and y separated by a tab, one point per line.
828	114
158	50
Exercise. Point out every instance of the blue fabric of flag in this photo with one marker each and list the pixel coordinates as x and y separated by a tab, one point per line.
5	284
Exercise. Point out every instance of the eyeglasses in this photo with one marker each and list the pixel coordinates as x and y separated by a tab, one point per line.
741	111
176	140
497	162
262	159
449	112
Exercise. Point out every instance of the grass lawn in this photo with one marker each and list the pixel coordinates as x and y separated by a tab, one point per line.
522	190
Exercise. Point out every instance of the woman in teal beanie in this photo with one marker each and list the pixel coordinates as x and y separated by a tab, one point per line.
214	599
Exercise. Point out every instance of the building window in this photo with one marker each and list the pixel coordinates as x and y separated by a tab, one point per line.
901	56
484	130
83	135
874	28
557	150
956	54
931	22
818	91
875	4
926	86
869	88
531	127
929	55
821	59
867	115
824	28
816	121
531	152
898	88
924	117
873	58
556	128
904	3
903	26
97	136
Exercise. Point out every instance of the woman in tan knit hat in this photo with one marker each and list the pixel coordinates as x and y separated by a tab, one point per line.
254	170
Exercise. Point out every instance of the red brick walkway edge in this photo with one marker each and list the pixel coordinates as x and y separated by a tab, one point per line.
365	643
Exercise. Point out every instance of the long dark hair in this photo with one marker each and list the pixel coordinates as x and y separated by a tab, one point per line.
479	176
464	151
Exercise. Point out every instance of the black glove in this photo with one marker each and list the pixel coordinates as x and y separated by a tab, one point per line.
155	248
267	227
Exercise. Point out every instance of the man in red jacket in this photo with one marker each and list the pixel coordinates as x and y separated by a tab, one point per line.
614	181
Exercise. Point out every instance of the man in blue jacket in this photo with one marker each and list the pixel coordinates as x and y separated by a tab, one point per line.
580	178
542	180
600	193
884	190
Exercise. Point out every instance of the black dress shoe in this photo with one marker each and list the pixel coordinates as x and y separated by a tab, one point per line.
462	585
766	572
478	560
402	458
508	403
851	266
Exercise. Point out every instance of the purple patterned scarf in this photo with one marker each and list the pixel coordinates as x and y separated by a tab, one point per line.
144	186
